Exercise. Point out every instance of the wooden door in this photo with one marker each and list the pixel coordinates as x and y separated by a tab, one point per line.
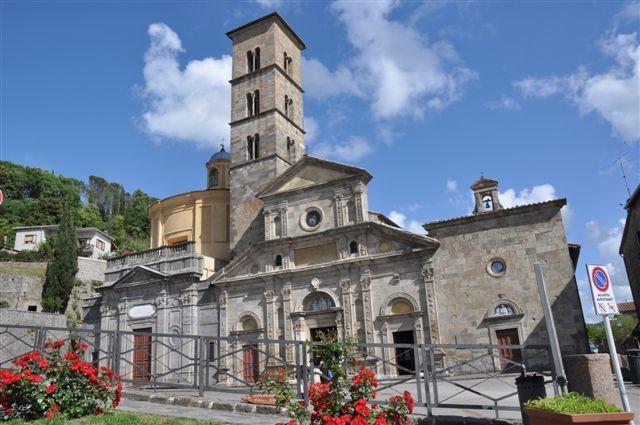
509	337
405	357
250	367
142	354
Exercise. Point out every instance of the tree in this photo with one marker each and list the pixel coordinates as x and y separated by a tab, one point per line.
60	275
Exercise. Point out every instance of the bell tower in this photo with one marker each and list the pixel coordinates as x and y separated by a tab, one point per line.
267	134
485	193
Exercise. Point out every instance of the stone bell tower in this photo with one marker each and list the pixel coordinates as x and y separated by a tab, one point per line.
267	134
485	192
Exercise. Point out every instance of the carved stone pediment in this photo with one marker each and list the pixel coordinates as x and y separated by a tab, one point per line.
139	275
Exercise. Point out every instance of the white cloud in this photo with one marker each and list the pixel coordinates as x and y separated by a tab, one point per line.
607	242
540	193
186	105
614	95
320	83
311	128
269	3
395	67
410	225
452	185
351	150
505	102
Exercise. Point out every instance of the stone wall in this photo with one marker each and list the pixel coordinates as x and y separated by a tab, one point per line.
467	293
21	283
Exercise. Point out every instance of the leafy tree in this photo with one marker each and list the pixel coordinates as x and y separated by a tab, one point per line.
622	327
61	271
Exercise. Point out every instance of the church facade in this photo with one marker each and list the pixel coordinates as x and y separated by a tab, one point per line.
282	245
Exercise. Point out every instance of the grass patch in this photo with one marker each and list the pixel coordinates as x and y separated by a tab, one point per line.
117	418
29	271
572	403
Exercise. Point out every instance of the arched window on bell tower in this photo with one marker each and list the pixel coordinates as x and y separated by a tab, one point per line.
249	61
214	177
250	105
256	59
485	192
256	102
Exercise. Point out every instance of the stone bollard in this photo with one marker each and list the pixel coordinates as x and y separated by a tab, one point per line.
591	375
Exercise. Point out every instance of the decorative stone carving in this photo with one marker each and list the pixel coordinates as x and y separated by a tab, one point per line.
339	210
395	279
283	222
365	283
345	286
432	308
222	301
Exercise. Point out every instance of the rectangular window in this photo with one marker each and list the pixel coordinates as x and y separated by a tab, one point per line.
212	351
100	244
29	238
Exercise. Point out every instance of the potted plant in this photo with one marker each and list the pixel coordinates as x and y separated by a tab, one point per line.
274	388
574	408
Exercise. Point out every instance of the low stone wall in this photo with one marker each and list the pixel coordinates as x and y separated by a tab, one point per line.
20	341
91	269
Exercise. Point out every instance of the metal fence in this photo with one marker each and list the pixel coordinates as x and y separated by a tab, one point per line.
469	376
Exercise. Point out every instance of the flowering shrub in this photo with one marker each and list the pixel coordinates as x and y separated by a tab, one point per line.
276	381
342	400
50	383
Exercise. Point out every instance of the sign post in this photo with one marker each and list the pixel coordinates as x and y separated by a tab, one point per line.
605	304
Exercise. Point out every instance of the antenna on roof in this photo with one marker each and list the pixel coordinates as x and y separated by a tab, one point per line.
624	176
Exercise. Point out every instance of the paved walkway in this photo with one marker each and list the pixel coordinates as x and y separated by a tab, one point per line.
200	413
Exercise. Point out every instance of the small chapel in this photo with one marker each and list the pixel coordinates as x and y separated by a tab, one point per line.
282	245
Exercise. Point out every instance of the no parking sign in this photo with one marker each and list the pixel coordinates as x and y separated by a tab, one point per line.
601	289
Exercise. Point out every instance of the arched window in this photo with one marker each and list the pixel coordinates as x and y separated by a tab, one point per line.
319	302
250	148
284	62
277	227
250	105
256	59
400	306
504	309
249	61
256	102
214	177
353	247
290	108
351	211
286	105
256	146
278	261
249	323
291	149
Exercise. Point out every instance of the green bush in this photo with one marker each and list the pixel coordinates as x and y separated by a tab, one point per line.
572	403
4	303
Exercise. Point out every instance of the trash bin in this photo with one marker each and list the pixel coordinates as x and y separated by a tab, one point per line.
529	387
634	365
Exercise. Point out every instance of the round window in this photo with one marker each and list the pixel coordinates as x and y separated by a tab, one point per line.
313	218
496	267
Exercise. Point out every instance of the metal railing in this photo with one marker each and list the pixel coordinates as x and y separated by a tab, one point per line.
448	376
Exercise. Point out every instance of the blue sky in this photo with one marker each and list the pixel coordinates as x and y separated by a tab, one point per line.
543	97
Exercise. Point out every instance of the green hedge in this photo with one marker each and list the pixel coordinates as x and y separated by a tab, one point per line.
572	403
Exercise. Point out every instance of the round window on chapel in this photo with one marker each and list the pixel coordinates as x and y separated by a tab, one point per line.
496	267
313	218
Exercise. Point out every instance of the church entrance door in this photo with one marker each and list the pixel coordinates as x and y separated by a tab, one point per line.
405	359
250	366
509	337
315	337
142	354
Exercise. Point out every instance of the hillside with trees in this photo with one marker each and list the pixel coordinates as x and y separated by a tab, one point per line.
33	197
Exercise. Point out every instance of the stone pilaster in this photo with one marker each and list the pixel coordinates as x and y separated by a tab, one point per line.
358	200
432	306
271	319
367	307
267	225
347	303
339	210
283	222
288	323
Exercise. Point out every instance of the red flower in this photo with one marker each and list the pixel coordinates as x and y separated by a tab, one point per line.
23	360
34	378
50	388
361	407
358	420
57	344
293	422
408	399
71	356
380	420
43	363
53	410
79	345
98	411
8	410
8	377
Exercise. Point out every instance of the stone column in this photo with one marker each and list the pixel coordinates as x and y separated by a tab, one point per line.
339	210
365	287
271	319
287	322
267	225
431	304
347	304
358	200
283	222
387	352
222	325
